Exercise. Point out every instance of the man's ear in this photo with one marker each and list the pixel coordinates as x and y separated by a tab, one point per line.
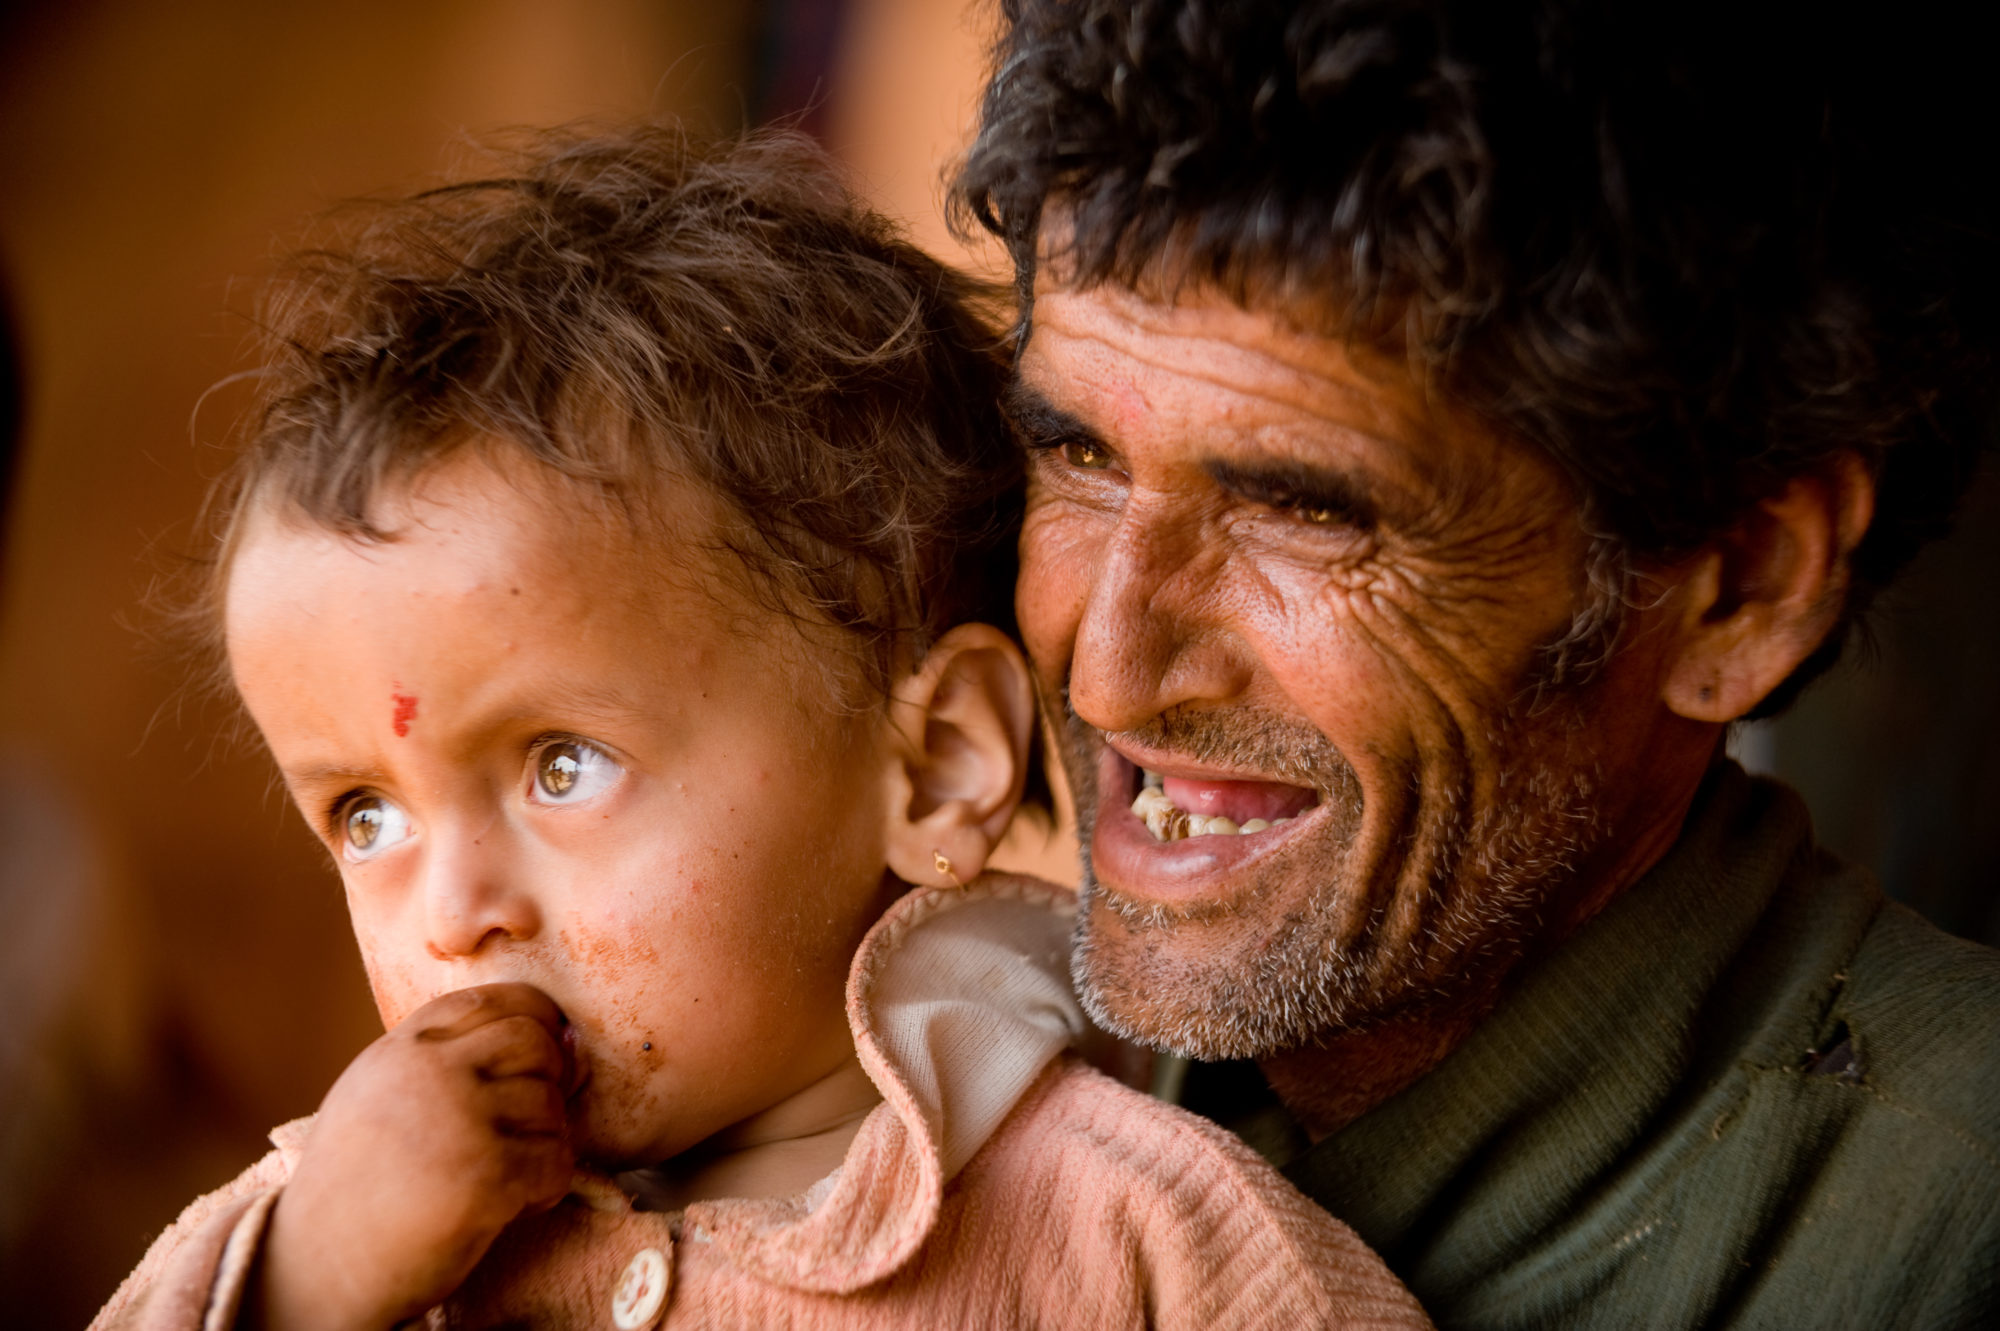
964	717
1759	600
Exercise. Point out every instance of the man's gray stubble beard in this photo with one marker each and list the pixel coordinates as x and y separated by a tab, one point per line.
1493	871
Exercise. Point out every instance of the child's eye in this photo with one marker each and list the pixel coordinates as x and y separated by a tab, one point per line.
570	771
370	825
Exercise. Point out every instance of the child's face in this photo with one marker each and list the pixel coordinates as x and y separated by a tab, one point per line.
544	749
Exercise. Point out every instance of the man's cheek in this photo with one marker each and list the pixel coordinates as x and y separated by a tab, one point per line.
1057	556
1337	659
1386	657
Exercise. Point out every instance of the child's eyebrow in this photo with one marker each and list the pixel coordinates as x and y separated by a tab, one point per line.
604	702
316	777
1042	424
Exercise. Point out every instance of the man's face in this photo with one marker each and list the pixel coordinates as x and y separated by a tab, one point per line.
1274	582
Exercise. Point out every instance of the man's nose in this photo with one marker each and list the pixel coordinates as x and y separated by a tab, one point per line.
1156	629
474	896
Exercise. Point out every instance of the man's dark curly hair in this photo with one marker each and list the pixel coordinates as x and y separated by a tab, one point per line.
1690	250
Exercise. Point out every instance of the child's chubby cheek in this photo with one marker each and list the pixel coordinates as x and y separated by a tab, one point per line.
625	1113
398	988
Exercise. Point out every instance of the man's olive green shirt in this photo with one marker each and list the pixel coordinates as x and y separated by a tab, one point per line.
1751	1093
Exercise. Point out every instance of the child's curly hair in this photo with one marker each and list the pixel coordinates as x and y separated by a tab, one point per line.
630	306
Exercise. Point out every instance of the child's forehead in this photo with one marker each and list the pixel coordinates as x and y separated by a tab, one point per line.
476	515
493	498
491	517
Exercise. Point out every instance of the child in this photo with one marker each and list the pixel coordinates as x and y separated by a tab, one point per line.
606	575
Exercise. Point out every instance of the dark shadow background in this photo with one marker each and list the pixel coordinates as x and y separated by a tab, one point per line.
176	971
1898	751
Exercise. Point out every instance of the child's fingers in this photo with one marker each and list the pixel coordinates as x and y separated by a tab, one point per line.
452	1015
511	1047
525	1107
538	1173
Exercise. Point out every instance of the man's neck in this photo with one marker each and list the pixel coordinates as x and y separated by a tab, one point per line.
1328	1085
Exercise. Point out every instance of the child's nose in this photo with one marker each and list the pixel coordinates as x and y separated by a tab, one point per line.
472	900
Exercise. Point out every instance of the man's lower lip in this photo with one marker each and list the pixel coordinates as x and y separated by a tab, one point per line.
1125	857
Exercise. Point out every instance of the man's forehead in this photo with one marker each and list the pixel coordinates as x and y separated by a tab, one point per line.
1203	369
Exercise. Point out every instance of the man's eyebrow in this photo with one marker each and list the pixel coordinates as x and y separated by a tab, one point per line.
1287	484
1041	423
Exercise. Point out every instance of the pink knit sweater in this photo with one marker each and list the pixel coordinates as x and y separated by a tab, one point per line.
999	1184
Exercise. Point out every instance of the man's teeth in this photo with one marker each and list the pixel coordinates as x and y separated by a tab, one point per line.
1169	823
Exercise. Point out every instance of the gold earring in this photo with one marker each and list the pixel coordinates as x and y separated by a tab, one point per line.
943	866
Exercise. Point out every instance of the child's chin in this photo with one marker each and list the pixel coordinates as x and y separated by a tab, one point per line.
608	1151
599	1160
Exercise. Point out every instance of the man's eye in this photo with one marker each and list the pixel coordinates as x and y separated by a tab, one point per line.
1086	456
1313	512
570	771
370	825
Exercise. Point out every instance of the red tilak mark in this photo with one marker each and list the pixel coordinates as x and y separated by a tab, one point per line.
406	712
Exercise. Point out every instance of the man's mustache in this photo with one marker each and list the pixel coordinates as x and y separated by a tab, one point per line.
1242	737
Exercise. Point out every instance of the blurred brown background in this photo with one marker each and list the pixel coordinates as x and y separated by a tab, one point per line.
176	973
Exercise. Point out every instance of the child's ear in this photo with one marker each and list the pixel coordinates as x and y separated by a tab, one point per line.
964	719
1761	599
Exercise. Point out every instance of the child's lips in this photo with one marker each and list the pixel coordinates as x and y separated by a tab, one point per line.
576	1072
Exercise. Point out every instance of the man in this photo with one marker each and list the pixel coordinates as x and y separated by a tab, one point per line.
1447	418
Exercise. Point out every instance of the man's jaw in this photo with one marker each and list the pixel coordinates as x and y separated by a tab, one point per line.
1216	945
1228	946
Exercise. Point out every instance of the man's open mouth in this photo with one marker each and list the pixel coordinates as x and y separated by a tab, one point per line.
1174	809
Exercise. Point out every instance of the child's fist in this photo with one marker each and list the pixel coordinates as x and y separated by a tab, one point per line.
435	1138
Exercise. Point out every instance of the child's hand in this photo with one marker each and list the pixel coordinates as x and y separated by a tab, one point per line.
433	1140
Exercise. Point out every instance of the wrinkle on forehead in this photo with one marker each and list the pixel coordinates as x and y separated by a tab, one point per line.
1246	353
1239	384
